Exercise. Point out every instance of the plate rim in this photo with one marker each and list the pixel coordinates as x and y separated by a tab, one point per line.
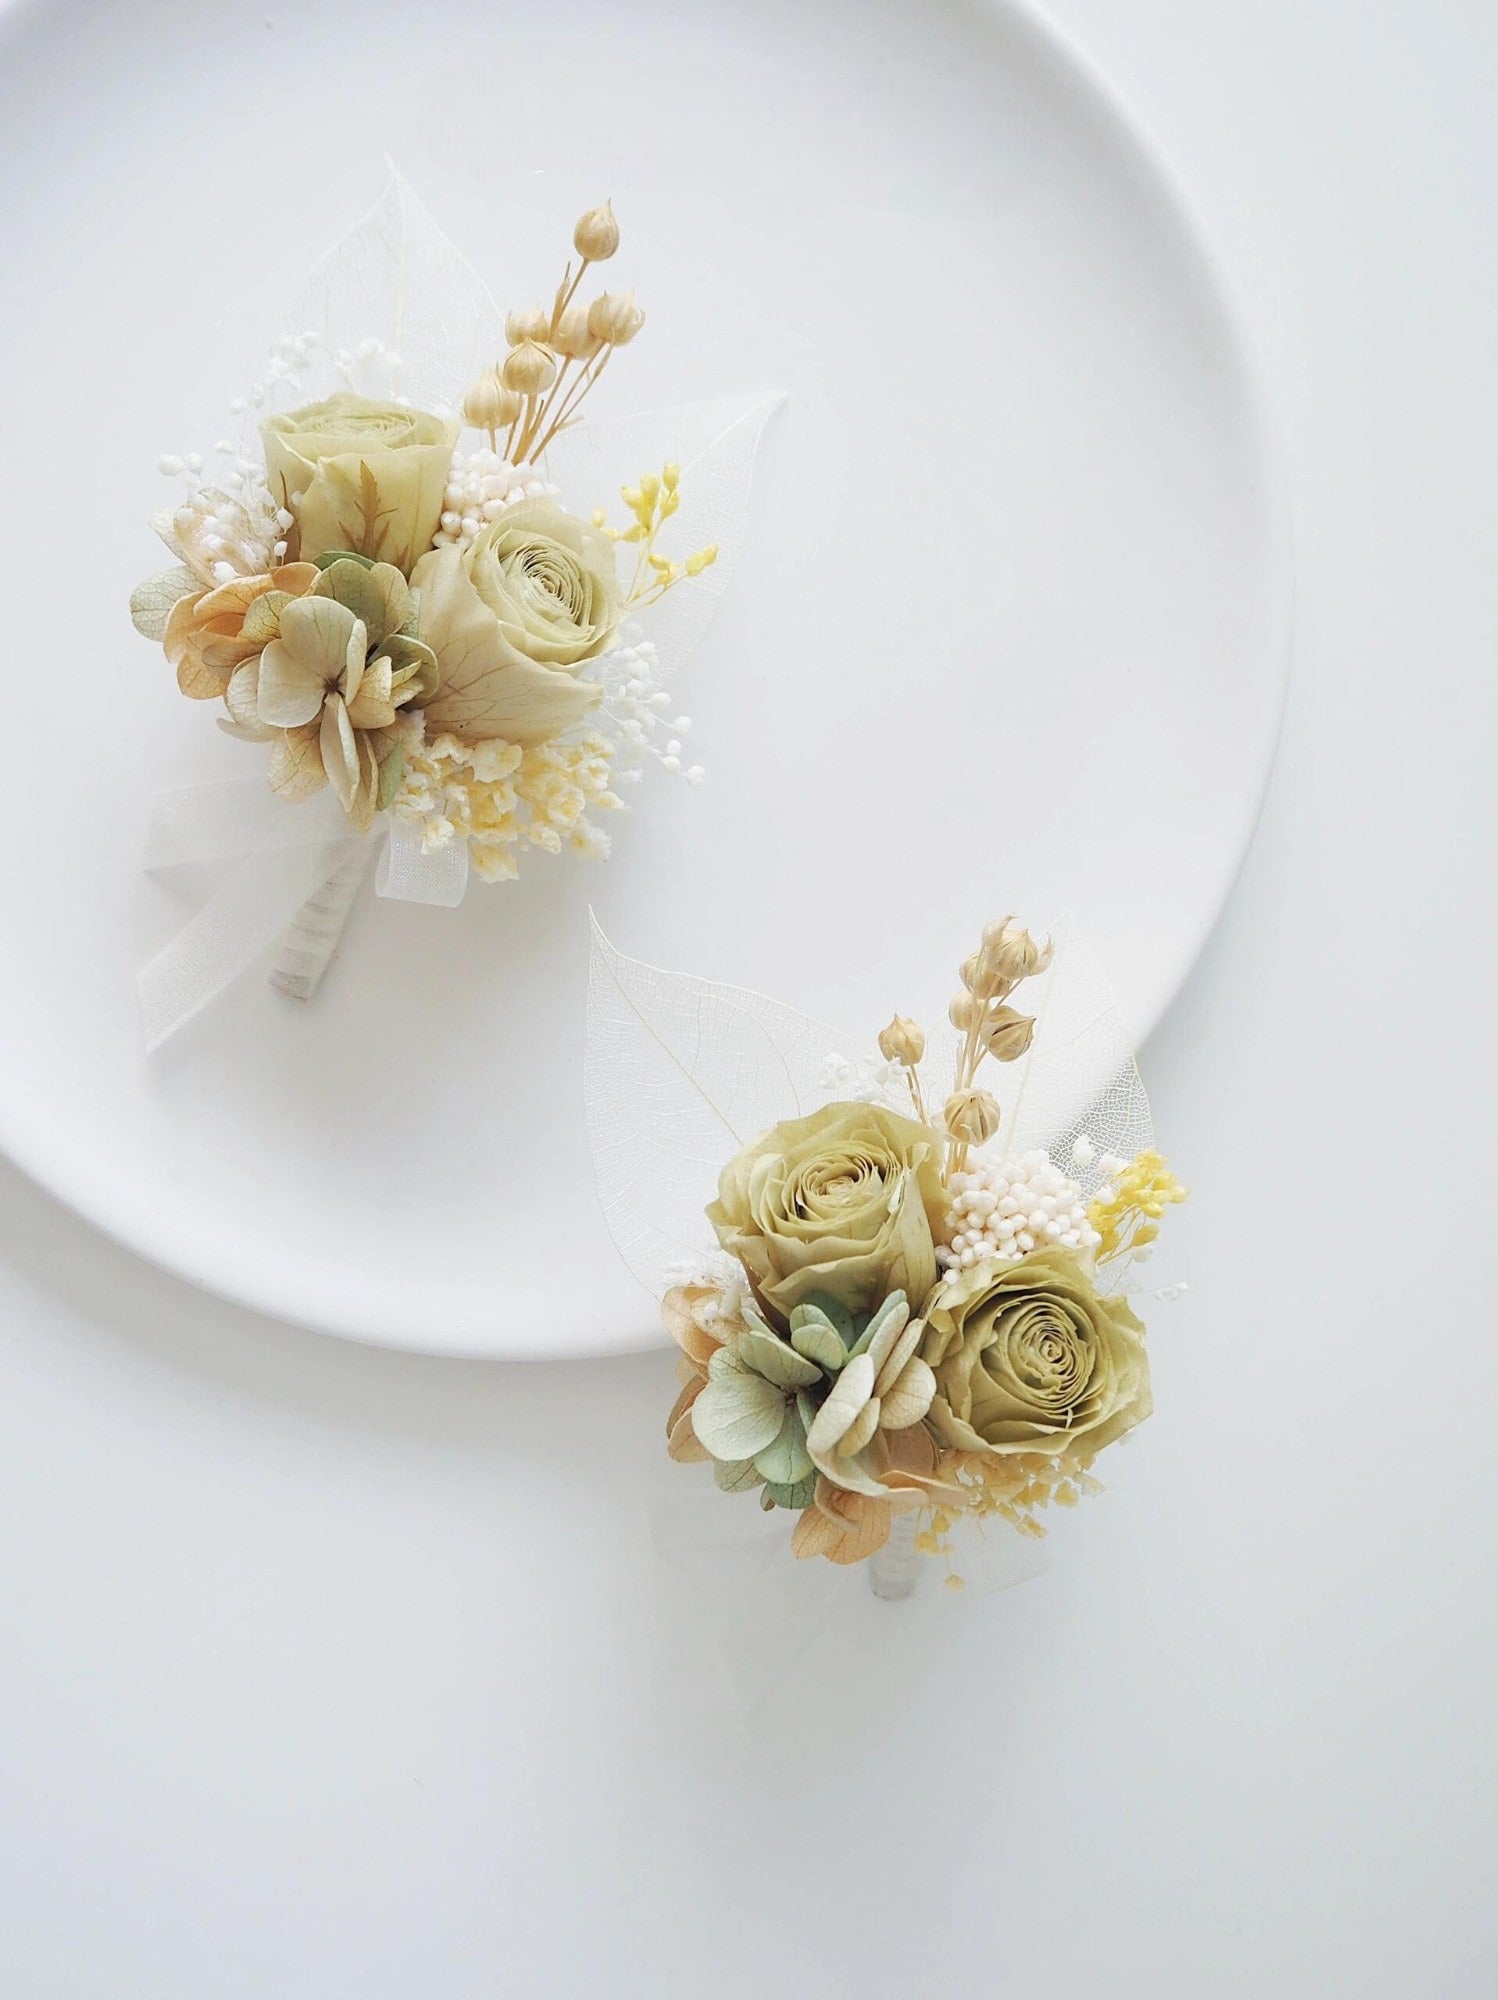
1081	76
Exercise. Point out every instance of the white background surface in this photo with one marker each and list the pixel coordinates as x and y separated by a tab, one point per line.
321	1676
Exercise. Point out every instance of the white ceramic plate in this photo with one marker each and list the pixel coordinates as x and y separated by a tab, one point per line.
1009	633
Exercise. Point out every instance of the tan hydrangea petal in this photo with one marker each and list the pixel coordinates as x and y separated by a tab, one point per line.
845	1400
153	600
370	706
340	750
862	1428
242	695
678	1318
893	1323
682	1441
197	680
909	1398
296	768
354	669
892	1365
918	1473
223	651
912	1453
844	1527
361	808
325	636
179	624
416	669
231	600
215	630
379	597
291	688
262	622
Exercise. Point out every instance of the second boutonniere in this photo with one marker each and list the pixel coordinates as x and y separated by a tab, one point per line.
439	601
915	1310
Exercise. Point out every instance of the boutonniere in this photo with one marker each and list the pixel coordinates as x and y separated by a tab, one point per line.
428	588
900	1281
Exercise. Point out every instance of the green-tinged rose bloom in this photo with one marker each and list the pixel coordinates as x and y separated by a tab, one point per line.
361	475
1029	1358
842	1205
512	616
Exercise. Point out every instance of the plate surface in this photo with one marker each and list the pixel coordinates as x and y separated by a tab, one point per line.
1009	631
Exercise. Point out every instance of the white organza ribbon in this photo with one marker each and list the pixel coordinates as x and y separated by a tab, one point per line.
408	874
768	1615
286	855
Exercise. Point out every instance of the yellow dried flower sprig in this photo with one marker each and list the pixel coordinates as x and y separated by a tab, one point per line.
1017	1487
1127	1214
652	502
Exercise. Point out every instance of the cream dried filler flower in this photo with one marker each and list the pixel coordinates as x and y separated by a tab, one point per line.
419	623
910	1322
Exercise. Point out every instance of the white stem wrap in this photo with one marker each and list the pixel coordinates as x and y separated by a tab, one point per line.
312	936
894	1568
298	869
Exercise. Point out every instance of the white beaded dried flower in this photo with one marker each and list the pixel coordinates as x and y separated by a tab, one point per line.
1005	1208
480	485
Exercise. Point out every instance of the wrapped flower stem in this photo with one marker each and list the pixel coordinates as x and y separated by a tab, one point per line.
306	951
893	1569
